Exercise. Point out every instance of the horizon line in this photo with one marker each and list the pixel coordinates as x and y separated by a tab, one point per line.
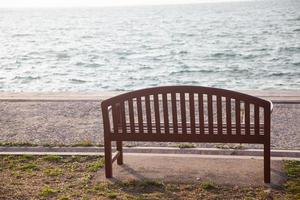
138	4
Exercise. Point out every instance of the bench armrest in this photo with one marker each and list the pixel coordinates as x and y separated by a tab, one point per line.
271	106
109	108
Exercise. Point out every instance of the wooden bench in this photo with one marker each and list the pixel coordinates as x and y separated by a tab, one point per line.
185	114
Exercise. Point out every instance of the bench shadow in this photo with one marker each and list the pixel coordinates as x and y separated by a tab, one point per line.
135	175
280	178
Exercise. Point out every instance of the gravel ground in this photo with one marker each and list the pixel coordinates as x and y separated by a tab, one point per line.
74	122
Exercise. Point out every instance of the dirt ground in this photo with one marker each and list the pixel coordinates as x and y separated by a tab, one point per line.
73	177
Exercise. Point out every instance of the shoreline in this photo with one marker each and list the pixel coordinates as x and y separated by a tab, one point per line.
276	96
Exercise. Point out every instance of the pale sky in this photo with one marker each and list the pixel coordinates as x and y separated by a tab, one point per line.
95	3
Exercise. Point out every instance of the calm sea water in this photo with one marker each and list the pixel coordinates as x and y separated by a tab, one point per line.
234	45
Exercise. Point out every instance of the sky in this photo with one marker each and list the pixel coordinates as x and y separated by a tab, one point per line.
95	3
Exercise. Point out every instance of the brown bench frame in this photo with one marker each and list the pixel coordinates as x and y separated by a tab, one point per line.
164	98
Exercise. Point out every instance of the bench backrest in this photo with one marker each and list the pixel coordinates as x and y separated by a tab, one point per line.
187	114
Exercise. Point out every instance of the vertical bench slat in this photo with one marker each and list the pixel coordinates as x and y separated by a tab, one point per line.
192	112
256	119
238	116
174	113
148	114
131	115
210	114
267	145
228	115
183	112
140	114
166	113
157	114
267	122
201	113
115	115
123	117
247	118
219	114
106	120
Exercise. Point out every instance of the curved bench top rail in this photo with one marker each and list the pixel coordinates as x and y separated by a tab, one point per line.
188	89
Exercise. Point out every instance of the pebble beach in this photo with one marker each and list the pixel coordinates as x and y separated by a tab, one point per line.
75	122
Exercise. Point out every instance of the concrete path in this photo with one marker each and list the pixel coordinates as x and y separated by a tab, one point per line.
158	150
242	171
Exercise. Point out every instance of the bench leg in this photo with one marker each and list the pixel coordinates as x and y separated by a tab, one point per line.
267	163
108	160
120	149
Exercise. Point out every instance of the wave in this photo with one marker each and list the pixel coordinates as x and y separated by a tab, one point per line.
183	52
22	35
290	49
296	63
87	37
88	65
62	55
286	74
80	64
225	55
93	65
29	78
188	34
145	68
294	19
191	71
78	81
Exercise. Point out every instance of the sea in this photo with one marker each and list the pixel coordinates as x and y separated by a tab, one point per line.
242	45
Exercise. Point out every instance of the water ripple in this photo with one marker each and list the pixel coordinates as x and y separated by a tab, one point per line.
100	49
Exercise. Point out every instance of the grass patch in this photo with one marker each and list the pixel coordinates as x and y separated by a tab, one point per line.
153	183
229	146
292	168
185	146
142	183
94	166
53	171
207	185
28	167
146	186
27	157
83	144
111	194
17	144
292	186
28	144
99	187
52	158
48	191
130	145
64	198
17	175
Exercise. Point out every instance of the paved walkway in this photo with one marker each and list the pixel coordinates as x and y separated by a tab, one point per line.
69	122
39	150
242	171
